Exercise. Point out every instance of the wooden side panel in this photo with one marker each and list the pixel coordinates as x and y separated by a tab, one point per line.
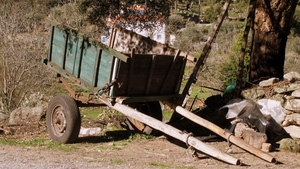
105	69
149	75
89	56
73	53
95	65
121	88
139	73
173	78
58	46
161	69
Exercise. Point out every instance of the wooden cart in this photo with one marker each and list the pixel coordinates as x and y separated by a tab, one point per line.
132	83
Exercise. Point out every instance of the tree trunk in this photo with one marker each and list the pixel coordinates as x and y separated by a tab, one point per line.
270	30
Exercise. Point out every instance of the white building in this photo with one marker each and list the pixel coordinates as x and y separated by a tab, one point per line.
157	32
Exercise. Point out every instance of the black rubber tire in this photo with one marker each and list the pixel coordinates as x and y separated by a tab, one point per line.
152	109
63	119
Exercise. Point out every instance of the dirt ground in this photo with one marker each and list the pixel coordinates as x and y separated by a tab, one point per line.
125	149
116	149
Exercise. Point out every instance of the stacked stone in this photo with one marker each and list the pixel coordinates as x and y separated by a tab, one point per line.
287	92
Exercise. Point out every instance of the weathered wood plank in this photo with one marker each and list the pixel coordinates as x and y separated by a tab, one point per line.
152	68
180	135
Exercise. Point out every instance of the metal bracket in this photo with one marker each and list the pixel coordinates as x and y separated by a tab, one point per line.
106	88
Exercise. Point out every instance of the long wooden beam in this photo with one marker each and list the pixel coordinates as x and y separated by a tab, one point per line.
171	131
205	52
227	135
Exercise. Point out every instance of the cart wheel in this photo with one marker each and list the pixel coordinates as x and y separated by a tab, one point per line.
152	109
63	119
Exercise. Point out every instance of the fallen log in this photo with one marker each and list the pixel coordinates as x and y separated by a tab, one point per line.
226	135
173	132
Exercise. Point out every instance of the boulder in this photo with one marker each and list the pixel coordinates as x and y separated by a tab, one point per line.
268	82
286	88
292	119
293	105
253	93
292	76
293	130
256	139
296	93
26	114
3	116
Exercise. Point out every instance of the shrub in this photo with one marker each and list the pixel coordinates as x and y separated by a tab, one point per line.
229	68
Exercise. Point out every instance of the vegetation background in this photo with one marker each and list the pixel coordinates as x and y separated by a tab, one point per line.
24	33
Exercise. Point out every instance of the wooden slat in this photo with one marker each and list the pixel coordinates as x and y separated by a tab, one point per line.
131	69
112	38
170	71
65	51
80	59
51	44
151	74
179	80
96	68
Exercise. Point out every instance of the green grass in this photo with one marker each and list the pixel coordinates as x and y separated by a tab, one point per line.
117	145
160	165
167	114
92	112
99	112
116	161
139	136
39	142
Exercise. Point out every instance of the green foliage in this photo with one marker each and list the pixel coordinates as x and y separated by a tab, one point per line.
289	145
229	68
125	11
189	38
175	23
295	27
212	12
67	14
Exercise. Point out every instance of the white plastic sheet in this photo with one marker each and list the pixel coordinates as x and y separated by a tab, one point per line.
266	106
273	108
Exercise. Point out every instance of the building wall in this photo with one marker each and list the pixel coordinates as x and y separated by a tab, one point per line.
157	33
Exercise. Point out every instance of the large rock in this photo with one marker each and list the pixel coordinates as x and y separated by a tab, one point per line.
292	119
292	76
3	116
293	130
286	88
268	82
26	114
296	93
253	93
293	105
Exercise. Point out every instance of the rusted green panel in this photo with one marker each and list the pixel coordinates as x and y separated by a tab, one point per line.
95	65
58	46
81	58
73	54
89	56
104	69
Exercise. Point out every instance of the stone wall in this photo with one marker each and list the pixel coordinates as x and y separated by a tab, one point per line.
287	92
